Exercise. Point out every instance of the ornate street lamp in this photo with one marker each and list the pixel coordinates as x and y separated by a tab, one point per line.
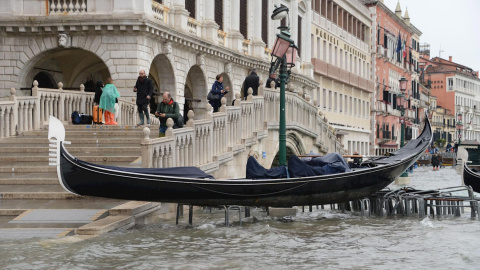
400	101
459	127
284	55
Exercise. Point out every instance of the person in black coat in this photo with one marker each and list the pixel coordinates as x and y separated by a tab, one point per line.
98	92
273	77
252	81
144	89
435	162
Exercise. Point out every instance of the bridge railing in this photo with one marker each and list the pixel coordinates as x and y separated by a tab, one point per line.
24	113
207	143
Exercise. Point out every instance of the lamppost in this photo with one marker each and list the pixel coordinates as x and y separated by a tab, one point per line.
284	55
400	102
459	127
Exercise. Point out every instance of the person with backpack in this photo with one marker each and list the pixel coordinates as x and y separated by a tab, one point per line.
217	92
168	108
107	101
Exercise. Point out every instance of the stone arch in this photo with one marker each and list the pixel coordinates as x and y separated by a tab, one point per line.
45	80
163	79
196	90
71	66
295	146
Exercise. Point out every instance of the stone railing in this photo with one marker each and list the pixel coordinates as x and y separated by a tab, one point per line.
160	12
32	112
217	139
62	7
221	37
193	26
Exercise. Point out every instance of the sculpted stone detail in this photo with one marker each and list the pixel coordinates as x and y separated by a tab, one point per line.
228	68
64	40
167	48
200	59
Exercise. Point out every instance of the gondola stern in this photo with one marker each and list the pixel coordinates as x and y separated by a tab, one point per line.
56	139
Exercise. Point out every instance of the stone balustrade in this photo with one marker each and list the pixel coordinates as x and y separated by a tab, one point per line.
62	7
208	143
32	112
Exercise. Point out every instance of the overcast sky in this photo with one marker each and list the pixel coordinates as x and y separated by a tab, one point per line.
450	25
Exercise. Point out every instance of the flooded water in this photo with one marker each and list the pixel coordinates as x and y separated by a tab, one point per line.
323	239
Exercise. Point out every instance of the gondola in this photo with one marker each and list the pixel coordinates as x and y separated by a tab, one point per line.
471	177
190	185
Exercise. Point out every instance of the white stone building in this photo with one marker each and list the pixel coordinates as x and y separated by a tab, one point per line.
341	51
182	44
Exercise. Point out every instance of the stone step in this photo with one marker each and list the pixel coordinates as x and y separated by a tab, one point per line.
100	149
41	196
43	167
31	188
95	141
106	224
80	152
17	206
87	132
32	176
28	181
45	158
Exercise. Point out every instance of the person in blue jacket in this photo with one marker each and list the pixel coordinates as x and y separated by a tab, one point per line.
219	91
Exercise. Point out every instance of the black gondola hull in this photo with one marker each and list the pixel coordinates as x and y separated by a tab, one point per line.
284	192
471	178
88	179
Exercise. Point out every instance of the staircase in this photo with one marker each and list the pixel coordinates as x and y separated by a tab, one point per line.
32	202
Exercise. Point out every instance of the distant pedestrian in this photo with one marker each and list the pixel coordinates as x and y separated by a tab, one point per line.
440	160
435	162
251	81
144	89
168	108
218	91
449	146
107	102
273	78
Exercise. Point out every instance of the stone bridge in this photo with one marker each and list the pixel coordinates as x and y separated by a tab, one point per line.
218	143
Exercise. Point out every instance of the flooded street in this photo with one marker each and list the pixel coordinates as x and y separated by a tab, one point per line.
323	239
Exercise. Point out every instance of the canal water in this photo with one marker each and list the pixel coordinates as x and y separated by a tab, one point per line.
322	239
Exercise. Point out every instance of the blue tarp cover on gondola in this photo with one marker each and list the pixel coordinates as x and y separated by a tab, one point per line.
181	172
257	171
329	164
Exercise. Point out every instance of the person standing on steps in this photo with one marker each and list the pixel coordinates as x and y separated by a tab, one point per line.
107	101
144	89
251	81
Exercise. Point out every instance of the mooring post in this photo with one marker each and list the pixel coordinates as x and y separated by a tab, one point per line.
190	214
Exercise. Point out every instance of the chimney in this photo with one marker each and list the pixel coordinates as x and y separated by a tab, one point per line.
450	58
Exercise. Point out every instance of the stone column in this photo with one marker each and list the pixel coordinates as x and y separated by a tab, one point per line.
179	15
210	27
307	52
258	46
234	36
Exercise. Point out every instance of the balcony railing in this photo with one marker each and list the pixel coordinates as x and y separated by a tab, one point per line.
160	12
66	6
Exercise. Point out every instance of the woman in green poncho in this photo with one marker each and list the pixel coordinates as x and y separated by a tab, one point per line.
107	101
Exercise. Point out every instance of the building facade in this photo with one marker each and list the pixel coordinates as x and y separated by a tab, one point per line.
457	89
341	56
397	44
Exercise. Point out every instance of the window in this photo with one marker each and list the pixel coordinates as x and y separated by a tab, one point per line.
318	48
190	7
219	13
243	19
299	40
265	19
